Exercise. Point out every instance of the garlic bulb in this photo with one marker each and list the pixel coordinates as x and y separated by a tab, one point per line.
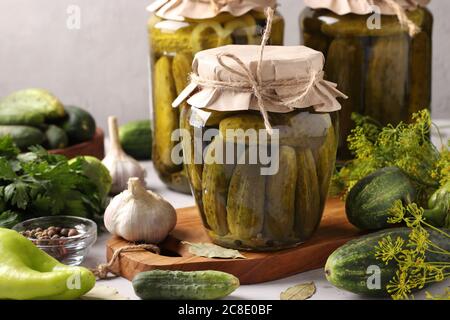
120	165
140	215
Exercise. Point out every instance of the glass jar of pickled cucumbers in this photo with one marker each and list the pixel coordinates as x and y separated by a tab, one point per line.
172	46
385	71
254	190
244	209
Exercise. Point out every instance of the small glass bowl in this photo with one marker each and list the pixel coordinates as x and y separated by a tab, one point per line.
69	250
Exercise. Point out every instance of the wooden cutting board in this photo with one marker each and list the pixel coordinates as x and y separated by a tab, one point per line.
334	231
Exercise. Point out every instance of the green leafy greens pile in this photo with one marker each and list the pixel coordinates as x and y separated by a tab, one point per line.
37	184
406	146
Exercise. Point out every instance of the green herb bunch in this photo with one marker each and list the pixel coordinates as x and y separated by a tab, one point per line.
39	184
406	146
415	271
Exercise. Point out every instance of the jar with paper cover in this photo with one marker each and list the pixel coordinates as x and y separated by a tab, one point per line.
260	141
379	51
179	29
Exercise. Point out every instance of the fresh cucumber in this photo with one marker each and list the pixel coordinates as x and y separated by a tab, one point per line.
80	125
136	139
56	138
23	136
351	266
34	101
20	116
179	285
368	202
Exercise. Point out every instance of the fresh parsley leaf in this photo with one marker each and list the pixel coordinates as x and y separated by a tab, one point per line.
9	219
41	184
6	171
17	194
43	155
7	148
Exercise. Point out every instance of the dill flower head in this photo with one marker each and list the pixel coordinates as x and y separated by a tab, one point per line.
415	218
388	250
400	286
418	239
406	146
435	272
397	213
414	269
441	171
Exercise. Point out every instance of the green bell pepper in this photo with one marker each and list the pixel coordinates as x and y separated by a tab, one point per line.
28	273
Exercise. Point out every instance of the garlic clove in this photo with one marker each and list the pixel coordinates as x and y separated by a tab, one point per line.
120	165
140	215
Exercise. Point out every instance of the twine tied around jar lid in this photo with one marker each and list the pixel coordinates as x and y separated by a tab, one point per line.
179	10
262	90
217	4
364	7
413	29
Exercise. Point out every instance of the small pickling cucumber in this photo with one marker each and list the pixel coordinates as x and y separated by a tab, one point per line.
308	209
215	181
31	102
280	196
166	118
368	202
136	139
179	285
56	137
80	126
23	136
246	200
236	128
20	116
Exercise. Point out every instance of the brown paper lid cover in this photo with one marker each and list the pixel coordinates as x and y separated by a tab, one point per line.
292	64
362	7
206	9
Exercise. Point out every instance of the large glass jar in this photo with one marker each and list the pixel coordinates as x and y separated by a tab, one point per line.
385	72
172	46
243	208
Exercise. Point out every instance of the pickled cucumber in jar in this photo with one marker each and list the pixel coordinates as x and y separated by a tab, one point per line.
263	181
246	210
385	71
173	44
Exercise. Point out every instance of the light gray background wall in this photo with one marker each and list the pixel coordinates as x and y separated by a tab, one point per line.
103	66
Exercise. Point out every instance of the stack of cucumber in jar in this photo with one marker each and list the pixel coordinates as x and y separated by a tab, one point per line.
173	43
245	201
381	64
378	67
244	209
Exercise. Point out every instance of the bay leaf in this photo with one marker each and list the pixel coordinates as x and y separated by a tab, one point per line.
209	250
103	293
302	291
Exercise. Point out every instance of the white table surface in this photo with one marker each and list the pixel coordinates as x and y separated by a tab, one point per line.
264	291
